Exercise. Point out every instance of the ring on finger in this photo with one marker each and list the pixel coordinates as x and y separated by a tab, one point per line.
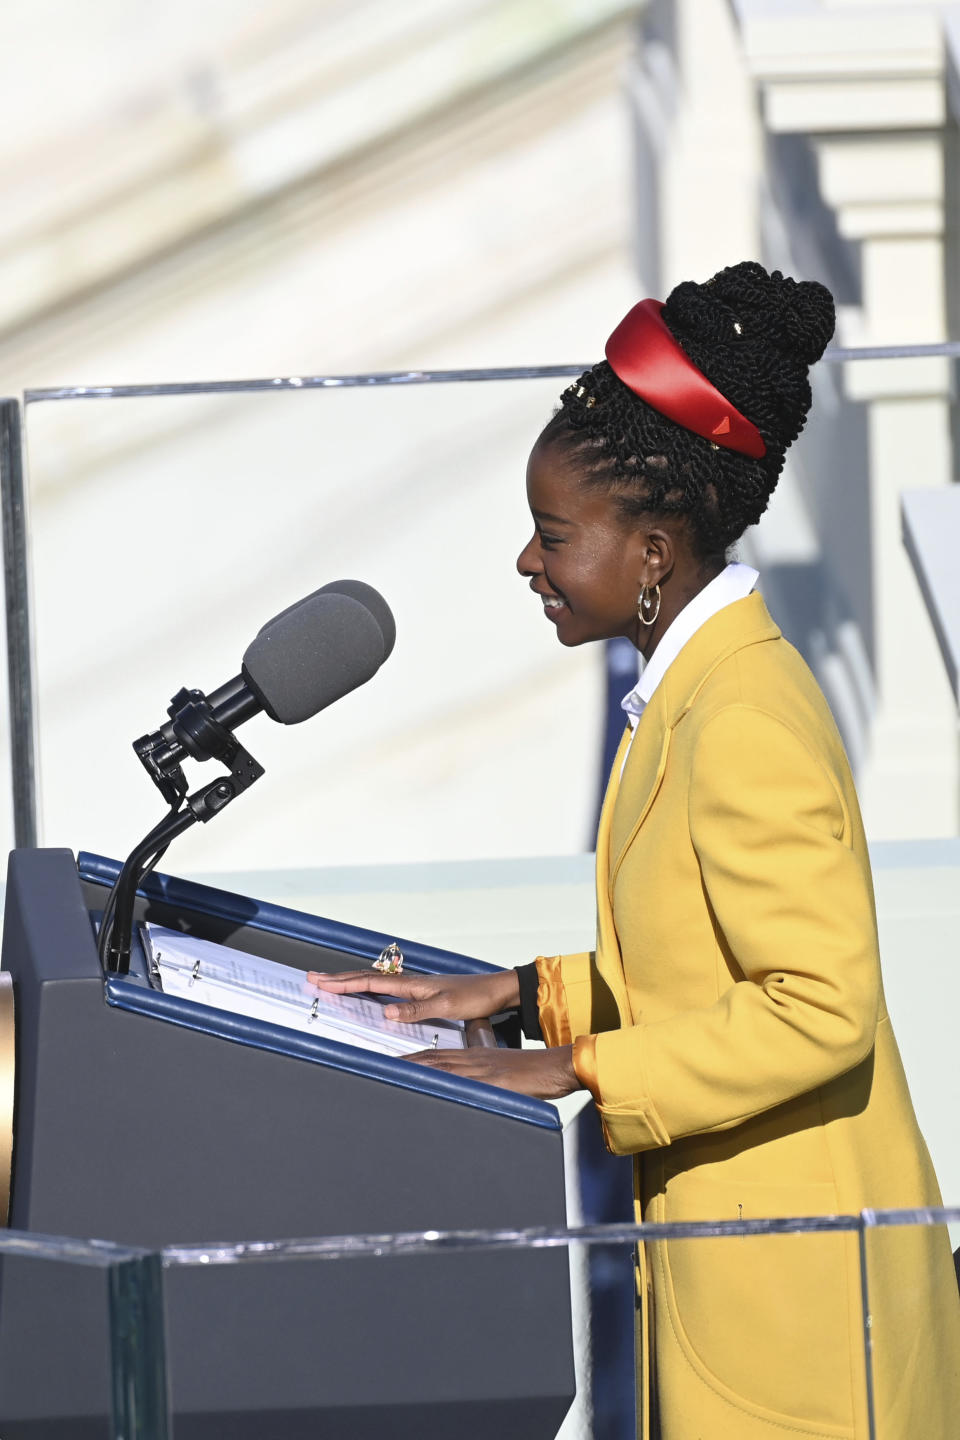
390	960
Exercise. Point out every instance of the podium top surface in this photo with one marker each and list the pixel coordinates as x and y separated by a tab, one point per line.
238	915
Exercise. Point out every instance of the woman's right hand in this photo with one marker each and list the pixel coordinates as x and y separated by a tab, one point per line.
428	997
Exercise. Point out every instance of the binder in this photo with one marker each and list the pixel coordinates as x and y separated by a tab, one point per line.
207	973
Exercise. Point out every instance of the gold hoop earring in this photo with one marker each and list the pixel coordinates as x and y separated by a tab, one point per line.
645	603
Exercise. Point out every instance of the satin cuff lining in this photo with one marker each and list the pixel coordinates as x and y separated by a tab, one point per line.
551	1001
585	1063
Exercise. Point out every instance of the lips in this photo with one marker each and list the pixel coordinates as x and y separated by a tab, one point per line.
549	599
553	605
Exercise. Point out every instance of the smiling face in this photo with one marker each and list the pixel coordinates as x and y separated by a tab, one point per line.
586	560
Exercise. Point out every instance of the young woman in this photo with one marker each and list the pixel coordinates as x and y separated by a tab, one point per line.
730	1023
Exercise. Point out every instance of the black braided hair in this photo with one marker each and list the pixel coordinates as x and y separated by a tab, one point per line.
753	335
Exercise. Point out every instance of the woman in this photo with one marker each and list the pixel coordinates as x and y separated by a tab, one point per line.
730	1023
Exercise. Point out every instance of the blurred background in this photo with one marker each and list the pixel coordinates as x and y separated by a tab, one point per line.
231	190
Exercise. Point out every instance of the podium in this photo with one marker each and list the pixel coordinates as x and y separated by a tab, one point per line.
150	1120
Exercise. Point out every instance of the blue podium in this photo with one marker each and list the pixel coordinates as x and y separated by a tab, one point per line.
152	1120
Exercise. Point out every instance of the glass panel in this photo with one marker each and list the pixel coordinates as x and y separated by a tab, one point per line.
108	1379
167	530
810	1257
82	1349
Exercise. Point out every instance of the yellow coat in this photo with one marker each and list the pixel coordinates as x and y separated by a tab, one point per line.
732	1028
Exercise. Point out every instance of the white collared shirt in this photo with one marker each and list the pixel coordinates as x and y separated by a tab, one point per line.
735	582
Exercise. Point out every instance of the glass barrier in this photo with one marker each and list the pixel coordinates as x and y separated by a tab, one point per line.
159	527
604	1408
166	529
162	527
86	1316
97	1315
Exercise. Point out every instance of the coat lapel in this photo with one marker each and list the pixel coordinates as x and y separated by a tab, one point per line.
640	782
743	623
607	953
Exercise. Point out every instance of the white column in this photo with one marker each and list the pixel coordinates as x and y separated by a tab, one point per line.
868	85
699	143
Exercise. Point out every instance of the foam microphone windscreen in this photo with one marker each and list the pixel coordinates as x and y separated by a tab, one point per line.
374	602
312	654
368	597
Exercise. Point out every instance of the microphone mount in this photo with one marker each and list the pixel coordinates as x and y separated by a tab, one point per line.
197	731
200	731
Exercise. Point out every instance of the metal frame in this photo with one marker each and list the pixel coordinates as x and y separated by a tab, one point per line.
21	668
21	665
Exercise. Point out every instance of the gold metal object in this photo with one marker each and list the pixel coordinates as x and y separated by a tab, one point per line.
645	603
7	1070
390	960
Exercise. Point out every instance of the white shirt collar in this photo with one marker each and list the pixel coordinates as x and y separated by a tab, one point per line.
734	582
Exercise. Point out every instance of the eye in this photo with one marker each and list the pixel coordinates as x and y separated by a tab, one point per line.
549	542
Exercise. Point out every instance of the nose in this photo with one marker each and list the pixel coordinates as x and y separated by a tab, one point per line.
528	561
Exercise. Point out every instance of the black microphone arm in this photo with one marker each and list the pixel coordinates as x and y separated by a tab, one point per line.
302	660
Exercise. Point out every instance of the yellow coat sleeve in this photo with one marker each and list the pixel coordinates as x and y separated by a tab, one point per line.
795	906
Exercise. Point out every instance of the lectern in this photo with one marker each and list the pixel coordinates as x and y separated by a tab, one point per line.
144	1118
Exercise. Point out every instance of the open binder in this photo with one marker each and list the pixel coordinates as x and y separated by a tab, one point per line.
205	973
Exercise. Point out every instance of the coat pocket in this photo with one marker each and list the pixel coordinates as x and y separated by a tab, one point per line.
765	1320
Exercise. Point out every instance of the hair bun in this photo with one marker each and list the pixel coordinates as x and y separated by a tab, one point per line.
807	316
795	318
754	335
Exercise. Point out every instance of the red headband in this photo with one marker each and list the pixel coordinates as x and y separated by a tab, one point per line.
647	358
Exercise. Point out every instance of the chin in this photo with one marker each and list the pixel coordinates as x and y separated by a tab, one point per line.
572	641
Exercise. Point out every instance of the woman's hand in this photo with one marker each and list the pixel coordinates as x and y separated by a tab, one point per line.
429	997
544	1074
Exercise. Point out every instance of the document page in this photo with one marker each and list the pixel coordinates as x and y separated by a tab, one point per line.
244	984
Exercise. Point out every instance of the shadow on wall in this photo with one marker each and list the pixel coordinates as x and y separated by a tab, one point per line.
812	615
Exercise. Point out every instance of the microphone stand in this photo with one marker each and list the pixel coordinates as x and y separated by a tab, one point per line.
203	736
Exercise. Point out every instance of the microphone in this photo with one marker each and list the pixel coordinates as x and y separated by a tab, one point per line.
301	661
357	590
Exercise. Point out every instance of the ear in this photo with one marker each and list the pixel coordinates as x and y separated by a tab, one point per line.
656	556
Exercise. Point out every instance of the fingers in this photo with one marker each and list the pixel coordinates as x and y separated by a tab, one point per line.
423	1003
453	1060
366	982
415	1010
440	1059
470	1065
460	1062
544	1074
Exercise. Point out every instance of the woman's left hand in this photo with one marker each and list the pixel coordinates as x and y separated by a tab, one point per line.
544	1074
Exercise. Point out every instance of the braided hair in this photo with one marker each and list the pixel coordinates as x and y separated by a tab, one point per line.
753	335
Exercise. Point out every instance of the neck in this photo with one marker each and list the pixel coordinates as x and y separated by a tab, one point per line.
676	592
